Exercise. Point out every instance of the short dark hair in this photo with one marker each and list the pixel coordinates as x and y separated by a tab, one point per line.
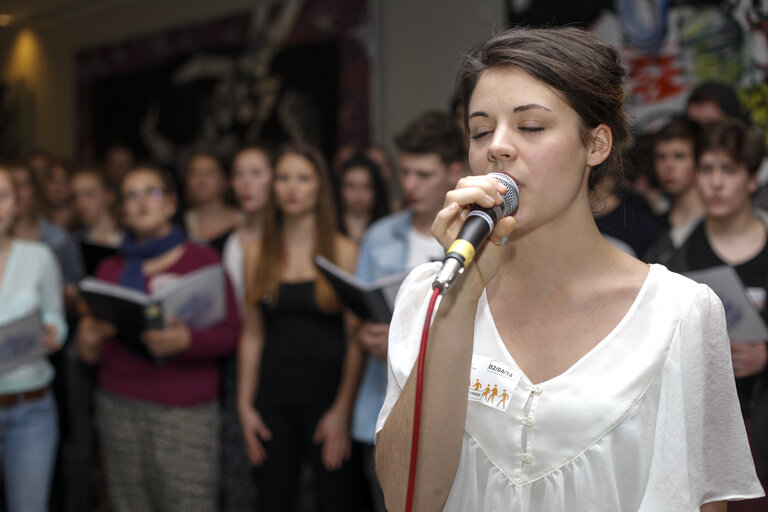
678	127
434	132
741	142
169	184
586	71
724	95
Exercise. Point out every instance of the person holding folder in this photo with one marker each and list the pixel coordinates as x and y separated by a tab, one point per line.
158	417
728	155
30	280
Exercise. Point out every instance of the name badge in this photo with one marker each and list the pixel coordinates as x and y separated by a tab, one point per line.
491	382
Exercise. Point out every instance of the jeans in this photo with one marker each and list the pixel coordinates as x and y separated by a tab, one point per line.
29	436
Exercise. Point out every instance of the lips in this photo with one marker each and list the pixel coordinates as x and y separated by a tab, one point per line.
517	182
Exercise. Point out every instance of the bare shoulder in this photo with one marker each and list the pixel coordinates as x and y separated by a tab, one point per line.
346	252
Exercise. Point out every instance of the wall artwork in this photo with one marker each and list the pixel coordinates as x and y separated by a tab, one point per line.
670	46
285	70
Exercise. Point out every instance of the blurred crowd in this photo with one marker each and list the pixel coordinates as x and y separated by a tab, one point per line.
275	408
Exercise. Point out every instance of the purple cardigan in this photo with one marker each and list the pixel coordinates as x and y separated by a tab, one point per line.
189	378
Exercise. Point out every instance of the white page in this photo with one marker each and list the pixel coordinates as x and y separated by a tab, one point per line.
20	341
744	322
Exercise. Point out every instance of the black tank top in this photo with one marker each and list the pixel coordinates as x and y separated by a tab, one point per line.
303	350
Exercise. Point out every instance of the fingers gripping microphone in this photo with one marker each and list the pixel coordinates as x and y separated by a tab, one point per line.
479	224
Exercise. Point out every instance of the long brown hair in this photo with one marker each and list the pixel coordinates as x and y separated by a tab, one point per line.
264	285
5	171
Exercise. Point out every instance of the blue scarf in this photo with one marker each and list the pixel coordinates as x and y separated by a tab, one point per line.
135	254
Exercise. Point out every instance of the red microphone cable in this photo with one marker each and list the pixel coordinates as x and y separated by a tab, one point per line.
417	402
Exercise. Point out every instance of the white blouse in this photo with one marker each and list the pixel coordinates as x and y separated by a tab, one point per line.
648	420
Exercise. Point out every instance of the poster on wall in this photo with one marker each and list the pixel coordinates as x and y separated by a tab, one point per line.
284	70
670	46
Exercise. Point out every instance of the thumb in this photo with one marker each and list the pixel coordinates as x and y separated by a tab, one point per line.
263	431
318	436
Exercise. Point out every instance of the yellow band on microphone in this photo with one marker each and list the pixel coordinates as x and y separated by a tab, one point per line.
464	248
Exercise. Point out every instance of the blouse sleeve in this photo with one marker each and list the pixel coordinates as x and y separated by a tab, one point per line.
718	455
405	332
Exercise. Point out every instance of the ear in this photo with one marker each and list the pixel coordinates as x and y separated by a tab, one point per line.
600	146
171	205
456	171
753	185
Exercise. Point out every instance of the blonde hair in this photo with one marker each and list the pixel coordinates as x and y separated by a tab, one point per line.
264	273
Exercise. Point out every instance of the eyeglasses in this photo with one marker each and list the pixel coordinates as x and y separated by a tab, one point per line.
149	193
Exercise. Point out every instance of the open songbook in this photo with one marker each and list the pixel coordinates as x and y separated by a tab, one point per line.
370	301
197	299
21	341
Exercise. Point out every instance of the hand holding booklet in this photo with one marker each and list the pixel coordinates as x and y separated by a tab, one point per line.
745	325
21	341
370	301
197	299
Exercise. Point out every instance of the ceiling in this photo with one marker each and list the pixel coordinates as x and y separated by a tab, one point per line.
35	12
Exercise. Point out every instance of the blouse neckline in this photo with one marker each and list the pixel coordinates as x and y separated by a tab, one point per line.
485	306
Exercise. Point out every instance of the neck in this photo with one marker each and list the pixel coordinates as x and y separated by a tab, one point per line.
103	226
732	225
5	241
252	226
556	254
27	220
686	206
300	227
422	222
149	235
210	208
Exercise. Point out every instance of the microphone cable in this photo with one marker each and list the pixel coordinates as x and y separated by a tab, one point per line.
417	401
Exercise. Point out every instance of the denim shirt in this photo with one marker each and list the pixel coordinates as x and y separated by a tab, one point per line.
383	251
65	247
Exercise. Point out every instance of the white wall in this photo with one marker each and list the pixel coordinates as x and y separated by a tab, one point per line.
417	46
423	43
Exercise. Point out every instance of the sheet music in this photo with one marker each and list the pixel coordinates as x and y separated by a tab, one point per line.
744	321
21	341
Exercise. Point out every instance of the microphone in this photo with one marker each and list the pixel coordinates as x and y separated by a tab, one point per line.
479	224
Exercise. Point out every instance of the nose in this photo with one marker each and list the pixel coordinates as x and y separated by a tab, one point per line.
717	178
501	147
409	181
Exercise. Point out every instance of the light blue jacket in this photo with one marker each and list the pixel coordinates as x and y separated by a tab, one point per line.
383	251
31	281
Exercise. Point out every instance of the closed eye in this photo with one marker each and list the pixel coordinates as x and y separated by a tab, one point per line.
531	129
480	135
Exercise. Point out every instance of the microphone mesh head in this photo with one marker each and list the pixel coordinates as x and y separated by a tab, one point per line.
511	196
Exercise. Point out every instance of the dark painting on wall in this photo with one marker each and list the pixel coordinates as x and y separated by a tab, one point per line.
16	119
284	71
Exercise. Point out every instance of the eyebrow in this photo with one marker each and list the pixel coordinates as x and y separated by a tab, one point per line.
516	110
